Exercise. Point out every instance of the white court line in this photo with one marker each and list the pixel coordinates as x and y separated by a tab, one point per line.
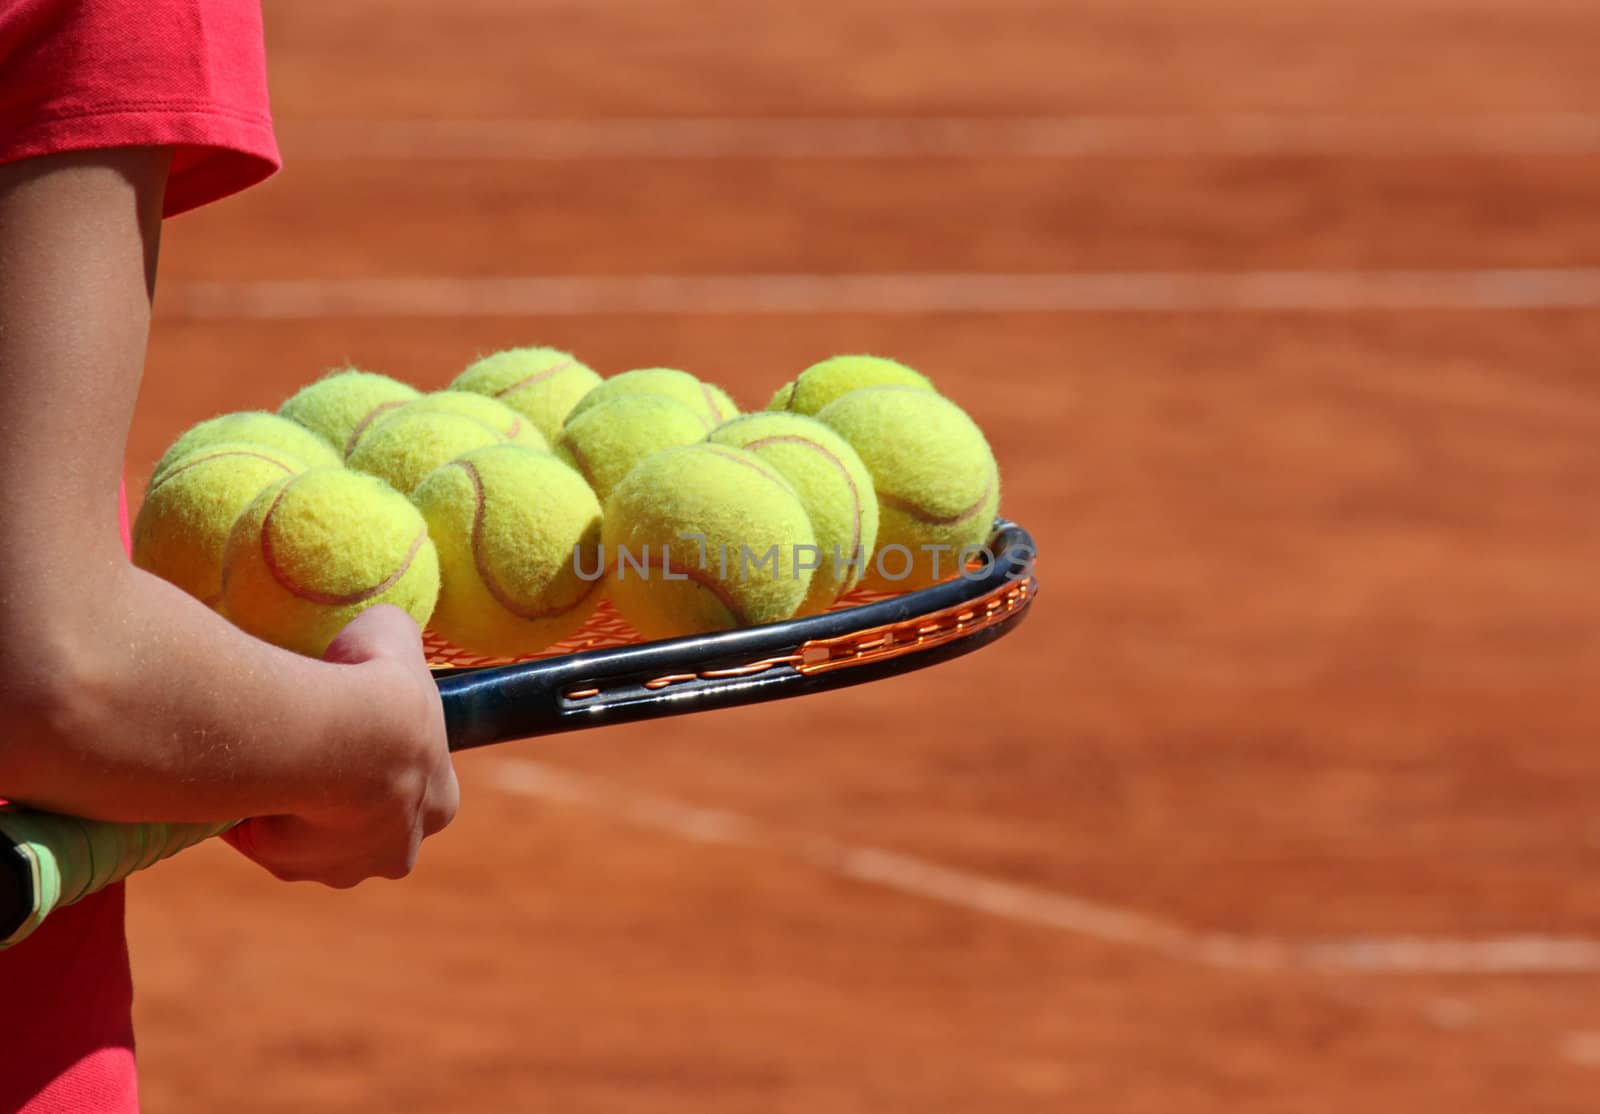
914	292
1108	924
913	137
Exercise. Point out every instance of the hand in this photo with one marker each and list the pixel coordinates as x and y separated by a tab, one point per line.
391	785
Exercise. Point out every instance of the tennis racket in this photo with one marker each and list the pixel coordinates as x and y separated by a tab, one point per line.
48	861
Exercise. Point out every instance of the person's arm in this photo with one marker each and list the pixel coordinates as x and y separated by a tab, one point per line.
123	698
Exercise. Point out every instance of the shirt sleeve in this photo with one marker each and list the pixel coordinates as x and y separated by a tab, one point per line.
187	74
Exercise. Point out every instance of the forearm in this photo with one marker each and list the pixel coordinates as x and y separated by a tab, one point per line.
147	705
120	697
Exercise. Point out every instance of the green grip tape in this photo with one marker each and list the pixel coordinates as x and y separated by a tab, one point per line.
64	859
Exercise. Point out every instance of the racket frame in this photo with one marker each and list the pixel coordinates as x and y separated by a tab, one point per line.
676	676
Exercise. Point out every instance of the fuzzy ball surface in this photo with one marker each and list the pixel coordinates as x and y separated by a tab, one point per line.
541	384
312	552
253	427
834	487
821	384
518	534
710	402
183	525
404	448
935	476
341	405
704	538
482	409
605	442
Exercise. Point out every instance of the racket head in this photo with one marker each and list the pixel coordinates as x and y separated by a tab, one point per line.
618	679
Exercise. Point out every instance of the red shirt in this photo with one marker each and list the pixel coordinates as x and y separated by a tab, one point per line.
77	75
189	74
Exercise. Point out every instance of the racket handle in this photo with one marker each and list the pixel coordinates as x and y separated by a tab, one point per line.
58	859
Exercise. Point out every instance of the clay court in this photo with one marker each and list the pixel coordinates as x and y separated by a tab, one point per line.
1284	321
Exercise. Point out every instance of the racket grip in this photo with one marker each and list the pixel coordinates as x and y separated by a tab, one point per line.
60	859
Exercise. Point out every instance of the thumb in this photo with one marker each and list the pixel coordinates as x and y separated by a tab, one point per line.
380	631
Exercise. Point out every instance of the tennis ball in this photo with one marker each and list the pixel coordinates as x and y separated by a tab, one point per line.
710	402
480	408
312	552
254	427
514	529
833	485
606	441
780	397
936	480
189	511
342	404
541	384
403	449
820	384
702	538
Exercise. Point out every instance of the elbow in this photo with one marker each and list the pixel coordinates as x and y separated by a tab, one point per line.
54	693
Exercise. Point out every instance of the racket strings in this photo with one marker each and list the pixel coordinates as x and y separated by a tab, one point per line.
863	647
605	629
923	632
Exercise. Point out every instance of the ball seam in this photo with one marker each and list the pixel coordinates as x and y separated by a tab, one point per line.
715	418
366	423
727	452
485	575
327	599
921	514
855	495
706	581
187	463
530	380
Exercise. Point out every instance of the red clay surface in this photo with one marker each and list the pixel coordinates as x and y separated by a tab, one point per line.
1314	658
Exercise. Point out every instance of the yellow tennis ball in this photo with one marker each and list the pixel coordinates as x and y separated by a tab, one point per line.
937	482
704	538
707	400
312	552
820	384
514	427
341	405
405	447
834	487
518	534
605	442
254	427
541	384
188	513
781	397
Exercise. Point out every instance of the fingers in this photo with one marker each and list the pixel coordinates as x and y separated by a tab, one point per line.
397	786
380	631
292	850
442	800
